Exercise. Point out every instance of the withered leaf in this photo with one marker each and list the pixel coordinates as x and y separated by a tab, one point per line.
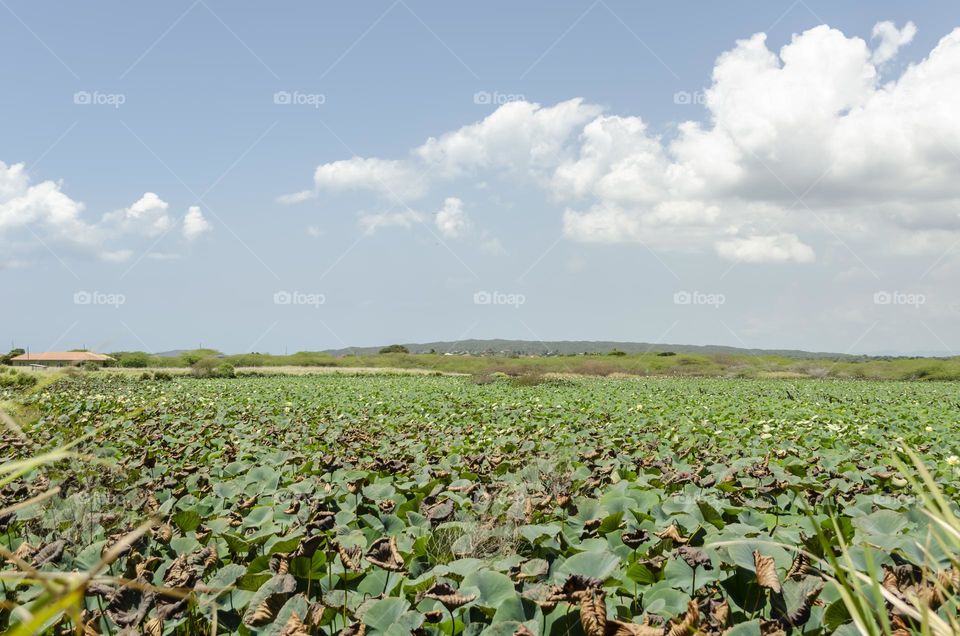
164	533
350	556
634	538
356	629
308	546
621	628
545	596
269	599
322	520
672	533
448	595
383	553
720	612
578	583
688	623
153	627
25	551
50	553
694	558
593	613
440	511
294	626
766	572
130	605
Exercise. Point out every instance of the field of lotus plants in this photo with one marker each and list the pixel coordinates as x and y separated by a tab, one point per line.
436	505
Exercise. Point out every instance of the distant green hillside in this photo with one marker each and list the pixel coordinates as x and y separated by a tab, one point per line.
571	347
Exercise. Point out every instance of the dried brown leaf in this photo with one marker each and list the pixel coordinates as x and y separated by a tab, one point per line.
593	613
448	596
766	572
383	553
688	623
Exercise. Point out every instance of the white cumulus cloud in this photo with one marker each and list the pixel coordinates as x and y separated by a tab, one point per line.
451	220
36	214
778	248
891	39
195	224
147	216
802	145
370	223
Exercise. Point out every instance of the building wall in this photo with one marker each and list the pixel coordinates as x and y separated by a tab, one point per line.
45	363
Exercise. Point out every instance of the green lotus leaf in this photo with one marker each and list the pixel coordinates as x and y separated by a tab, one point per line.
492	588
597	564
383	613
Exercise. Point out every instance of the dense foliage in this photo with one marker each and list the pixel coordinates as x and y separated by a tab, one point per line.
314	504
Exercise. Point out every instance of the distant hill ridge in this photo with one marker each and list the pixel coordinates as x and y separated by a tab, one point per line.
566	347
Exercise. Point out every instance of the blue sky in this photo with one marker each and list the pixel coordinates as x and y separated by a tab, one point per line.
781	219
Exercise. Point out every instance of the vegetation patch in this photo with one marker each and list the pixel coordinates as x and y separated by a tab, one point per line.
438	505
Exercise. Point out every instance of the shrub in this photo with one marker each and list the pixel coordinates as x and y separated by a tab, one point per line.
666	354
528	379
133	359
596	367
395	348
90	365
11	378
617	352
482	378
212	368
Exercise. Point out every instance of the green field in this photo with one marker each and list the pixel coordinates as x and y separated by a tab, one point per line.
313	504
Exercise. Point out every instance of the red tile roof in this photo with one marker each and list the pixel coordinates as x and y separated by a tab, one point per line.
63	356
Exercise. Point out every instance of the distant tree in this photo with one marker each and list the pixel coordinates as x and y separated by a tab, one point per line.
666	354
395	348
617	352
212	368
133	359
8	358
190	358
